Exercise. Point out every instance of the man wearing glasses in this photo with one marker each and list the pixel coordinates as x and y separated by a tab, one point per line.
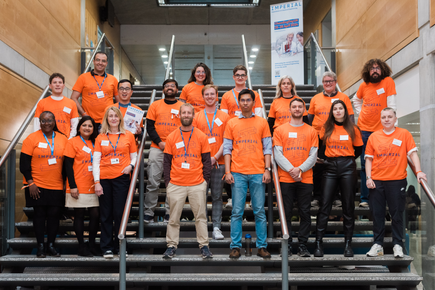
97	88
230	104
163	117
377	92
318	113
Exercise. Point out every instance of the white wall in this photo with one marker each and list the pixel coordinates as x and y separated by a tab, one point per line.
408	92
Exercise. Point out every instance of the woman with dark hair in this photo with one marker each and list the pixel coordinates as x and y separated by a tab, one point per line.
41	162
192	92
342	143
80	193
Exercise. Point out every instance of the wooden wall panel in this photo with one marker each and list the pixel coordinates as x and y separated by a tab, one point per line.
383	29
313	16
432	12
348	14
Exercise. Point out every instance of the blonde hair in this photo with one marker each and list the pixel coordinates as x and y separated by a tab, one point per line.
105	127
278	86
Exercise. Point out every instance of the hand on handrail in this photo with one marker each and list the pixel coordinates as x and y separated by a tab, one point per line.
421	175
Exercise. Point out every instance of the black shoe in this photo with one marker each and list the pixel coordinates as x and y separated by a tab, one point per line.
348	252
40	253
169	253
84	250
51	251
95	249
303	251
318	252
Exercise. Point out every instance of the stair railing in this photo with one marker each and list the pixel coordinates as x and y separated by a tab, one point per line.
429	193
168	67
279	200
139	167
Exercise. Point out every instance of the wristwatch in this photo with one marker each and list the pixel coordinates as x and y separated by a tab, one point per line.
368	177
268	168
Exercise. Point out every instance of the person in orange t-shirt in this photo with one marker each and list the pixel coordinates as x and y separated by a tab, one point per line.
374	94
114	158
279	112
247	151
187	168
191	93
212	122
386	162
230	103
343	142
97	88
163	117
41	162
295	147
80	193
64	109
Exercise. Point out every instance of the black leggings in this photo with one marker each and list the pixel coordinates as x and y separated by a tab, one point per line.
50	214
79	223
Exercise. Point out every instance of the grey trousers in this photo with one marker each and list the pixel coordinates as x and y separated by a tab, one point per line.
155	172
216	185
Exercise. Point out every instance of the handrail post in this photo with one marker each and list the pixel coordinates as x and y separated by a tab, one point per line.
122	264
284	264
245	53
141	197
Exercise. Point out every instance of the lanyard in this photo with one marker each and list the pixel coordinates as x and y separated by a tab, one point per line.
124	106
212	122
51	145
186	148
235	98
105	75
114	148
93	146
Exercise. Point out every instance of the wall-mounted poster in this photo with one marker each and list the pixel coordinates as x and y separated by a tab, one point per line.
287	37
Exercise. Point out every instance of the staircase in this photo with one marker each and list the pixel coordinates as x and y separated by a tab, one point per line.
147	269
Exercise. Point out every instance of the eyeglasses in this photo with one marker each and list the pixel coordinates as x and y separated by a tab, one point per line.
328	82
200	72
378	68
240	76
46	121
170	86
124	89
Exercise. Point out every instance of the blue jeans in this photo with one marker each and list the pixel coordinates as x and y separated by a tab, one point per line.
239	190
364	189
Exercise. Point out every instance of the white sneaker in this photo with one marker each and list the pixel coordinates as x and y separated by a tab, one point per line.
398	251
217	234
364	204
376	250
229	203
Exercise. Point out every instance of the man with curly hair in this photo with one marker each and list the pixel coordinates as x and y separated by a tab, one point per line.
377	92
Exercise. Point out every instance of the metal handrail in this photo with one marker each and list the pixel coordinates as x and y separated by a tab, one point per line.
321	53
245	53
127	207
171	51
96	50
429	193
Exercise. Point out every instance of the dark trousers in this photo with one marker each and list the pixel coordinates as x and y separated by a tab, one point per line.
302	192
318	175
364	189
112	204
339	171
392	193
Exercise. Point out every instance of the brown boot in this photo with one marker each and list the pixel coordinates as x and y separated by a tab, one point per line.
235	253
262	252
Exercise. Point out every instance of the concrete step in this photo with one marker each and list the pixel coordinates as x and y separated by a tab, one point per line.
212	279
139	260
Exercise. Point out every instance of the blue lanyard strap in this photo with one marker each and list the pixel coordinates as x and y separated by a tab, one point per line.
212	122
235	98
114	148
93	146
51	145
186	148
124	106
105	75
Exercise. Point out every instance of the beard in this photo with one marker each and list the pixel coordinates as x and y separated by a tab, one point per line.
375	78
297	116
186	122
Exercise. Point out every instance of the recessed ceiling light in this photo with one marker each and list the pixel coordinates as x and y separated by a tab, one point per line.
162	49
165	62
253	56
250	62
255	49
164	56
250	67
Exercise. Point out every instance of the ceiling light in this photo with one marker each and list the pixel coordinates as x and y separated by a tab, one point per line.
250	67
254	49
250	62
162	49
253	56
164	56
165	62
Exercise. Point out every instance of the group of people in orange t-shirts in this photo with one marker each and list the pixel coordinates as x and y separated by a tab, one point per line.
198	147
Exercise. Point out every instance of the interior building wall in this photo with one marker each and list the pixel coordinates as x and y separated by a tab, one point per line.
432	12
314	13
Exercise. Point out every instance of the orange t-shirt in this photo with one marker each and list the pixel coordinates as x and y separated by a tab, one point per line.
247	134
126	145
191	93
124	109
63	110
166	117
230	104
45	175
216	137
339	144
280	110
88	87
198	145
320	106
389	153
82	160
296	143
374	98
